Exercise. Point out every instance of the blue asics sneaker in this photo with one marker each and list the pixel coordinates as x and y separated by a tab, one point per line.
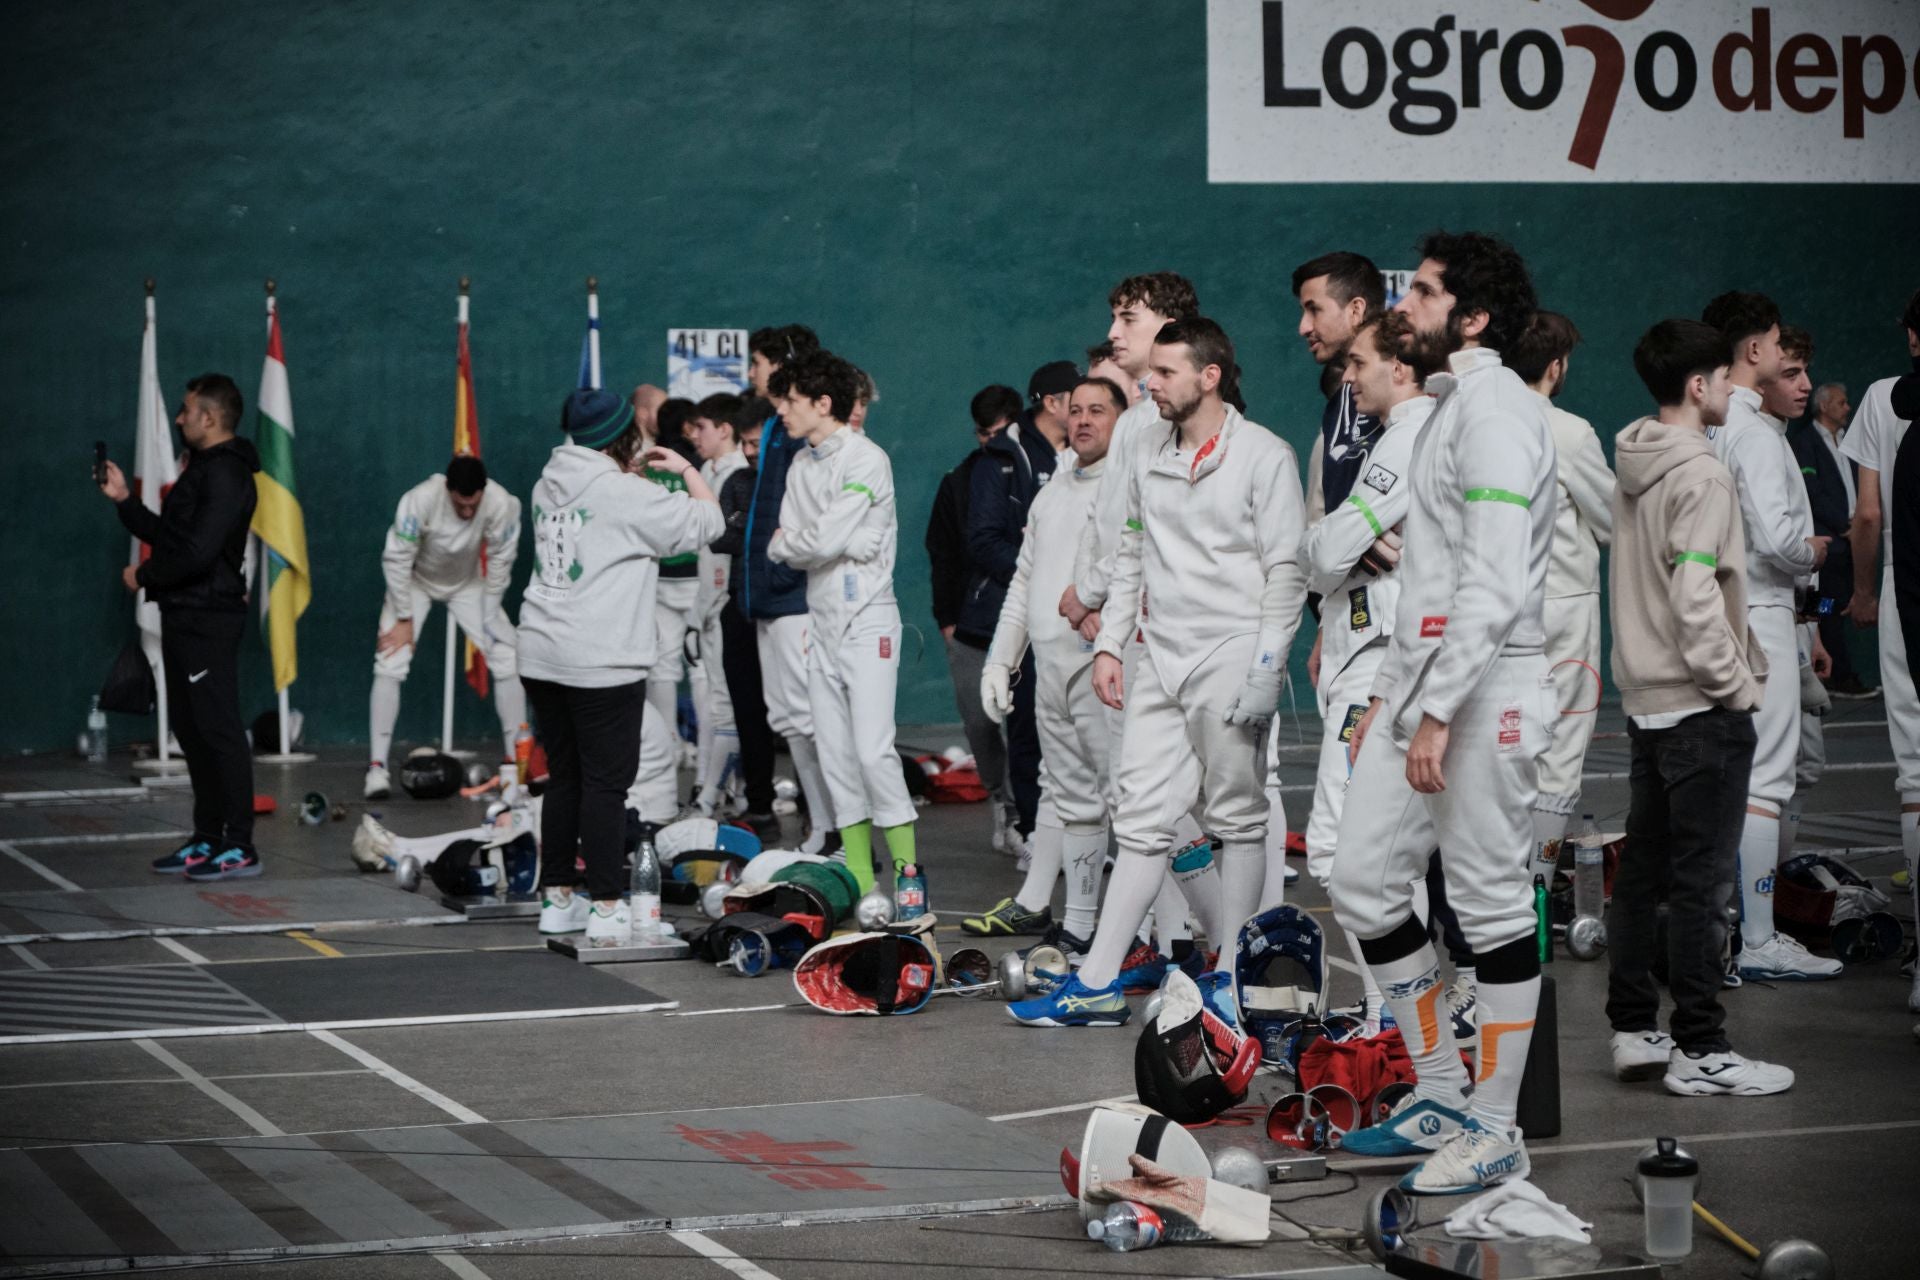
235	862
1472	1161
191	854
1143	970
1216	992
1074	1004
1417	1127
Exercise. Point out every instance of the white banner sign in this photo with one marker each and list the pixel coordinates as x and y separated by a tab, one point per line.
1563	91
704	362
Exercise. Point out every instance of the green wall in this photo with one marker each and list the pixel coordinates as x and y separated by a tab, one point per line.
944	191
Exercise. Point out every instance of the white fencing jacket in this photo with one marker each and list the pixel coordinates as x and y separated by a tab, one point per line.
715	569
431	545
1210	549
1099	540
1357	607
1031	614
1479	533
836	490
1773	499
1584	522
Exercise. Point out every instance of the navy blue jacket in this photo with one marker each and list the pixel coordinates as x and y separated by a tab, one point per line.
1011	470
761	588
1827	497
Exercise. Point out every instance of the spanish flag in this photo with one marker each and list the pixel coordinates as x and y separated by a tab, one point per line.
466	440
277	520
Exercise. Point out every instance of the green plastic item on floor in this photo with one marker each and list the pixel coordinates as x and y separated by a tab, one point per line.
833	882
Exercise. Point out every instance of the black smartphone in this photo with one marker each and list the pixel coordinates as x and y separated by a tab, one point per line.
99	461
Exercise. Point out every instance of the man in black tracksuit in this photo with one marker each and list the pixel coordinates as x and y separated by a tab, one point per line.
196	545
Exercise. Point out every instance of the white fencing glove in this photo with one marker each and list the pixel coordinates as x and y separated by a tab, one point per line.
865	544
1259	699
996	691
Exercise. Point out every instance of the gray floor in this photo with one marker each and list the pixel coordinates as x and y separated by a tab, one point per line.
1833	1160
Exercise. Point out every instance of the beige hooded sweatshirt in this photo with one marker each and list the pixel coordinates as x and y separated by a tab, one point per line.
1678	578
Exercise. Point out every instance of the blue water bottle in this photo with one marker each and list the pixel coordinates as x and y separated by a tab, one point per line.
910	893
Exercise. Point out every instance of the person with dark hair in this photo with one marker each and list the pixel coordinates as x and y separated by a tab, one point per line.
453	541
1101	364
837	524
717	745
1583	525
1831	496
1876	441
864	400
774	596
656	793
1464	706
1782	549
1213	520
588	639
739	644
1690	671
192	572
992	409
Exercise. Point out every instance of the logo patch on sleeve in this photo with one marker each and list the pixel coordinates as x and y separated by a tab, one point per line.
1379	479
1352	721
1358	614
1433	626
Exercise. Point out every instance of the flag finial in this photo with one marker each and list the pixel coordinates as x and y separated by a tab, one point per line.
593	284
464	282
149	286
270	286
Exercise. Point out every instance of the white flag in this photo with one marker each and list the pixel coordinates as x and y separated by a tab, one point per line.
155	465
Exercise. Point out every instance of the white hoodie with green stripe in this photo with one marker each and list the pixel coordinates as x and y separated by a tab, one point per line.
1357	606
837	522
1479	533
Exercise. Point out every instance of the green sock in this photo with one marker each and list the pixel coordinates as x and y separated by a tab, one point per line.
857	840
900	844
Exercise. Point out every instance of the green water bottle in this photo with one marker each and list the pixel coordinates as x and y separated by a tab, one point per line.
1542	930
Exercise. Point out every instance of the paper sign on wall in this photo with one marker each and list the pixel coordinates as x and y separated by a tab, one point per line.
705	362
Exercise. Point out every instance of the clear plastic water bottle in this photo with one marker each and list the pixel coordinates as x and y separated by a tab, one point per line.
1589	879
910	893
646	890
1127	1226
96	736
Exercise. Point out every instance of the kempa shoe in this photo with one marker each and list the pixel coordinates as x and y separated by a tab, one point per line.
1074	1004
1782	959
379	786
1473	1160
1009	919
1641	1055
562	914
609	926
1723	1075
1415	1127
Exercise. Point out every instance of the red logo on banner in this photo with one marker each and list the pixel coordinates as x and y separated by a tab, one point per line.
791	1164
1431	627
886	646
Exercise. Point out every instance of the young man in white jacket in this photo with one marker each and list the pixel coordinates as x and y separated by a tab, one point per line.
1350	555
1209	574
1782	551
1462	707
1583	524
452	541
1075	777
837	523
716	439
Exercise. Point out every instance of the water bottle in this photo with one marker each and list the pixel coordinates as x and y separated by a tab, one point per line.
646	889
522	753
93	741
1542	925
910	893
1668	1176
1589	879
1127	1226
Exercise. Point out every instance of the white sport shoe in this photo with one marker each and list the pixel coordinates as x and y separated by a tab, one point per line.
1463	1005
1782	959
609	926
1641	1055
1473	1160
379	785
1724	1075
562	911
1023	846
372	845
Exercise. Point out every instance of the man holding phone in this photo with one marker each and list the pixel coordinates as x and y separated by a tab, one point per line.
193	573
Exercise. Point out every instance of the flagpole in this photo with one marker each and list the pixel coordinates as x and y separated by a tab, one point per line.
286	755
593	330
453	628
162	761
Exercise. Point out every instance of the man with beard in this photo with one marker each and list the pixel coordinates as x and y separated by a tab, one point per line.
1447	751
1212	524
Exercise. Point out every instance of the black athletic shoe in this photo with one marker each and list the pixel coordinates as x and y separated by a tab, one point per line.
235	862
195	851
766	826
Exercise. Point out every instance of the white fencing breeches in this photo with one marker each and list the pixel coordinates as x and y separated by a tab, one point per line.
852	684
1074	749
1777	724
783	674
1573	655
1896	684
1343	701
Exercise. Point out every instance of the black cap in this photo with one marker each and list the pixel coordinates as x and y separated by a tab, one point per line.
1053	379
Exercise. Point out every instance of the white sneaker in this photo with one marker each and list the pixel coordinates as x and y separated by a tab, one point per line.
379	785
1782	959
1724	1075
609	926
372	845
1641	1055
1023	847
562	912
1472	1160
1463	1004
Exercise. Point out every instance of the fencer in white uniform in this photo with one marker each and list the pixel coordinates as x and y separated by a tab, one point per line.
1781	552
1461	709
838	523
452	542
1209	570
1347	554
718	753
1076	797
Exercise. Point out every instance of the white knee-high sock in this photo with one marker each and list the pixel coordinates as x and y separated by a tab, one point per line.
1274	891
1170	915
1369	985
1419	1002
1910	839
1049	847
1507	1012
1759	859
510	702
383	710
722	759
1549	831
1193	868
1083	853
1789	829
813	785
1136	879
1243	873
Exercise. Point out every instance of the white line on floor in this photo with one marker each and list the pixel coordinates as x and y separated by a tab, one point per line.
260	1124
115	837
459	1265
182	950
73	795
58	881
244	1075
745	1008
466	1115
724	1257
1061	1111
27	957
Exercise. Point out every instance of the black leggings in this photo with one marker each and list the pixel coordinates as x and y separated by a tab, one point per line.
592	740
